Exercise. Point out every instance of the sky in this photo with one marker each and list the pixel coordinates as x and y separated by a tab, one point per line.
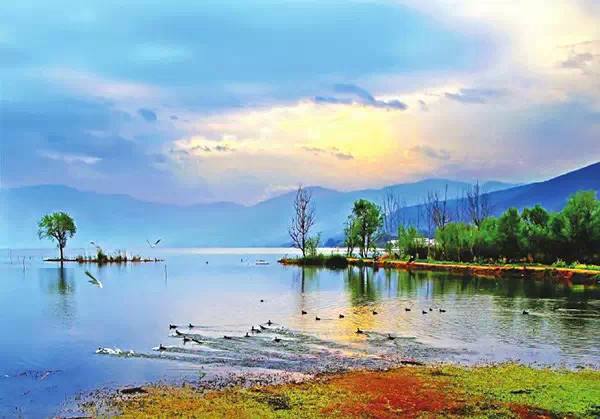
201	101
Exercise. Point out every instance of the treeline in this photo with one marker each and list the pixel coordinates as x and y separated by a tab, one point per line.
471	234
532	235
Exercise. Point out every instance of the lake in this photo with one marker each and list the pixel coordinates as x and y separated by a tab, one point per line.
64	336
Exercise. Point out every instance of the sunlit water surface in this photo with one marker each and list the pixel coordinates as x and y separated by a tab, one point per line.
54	321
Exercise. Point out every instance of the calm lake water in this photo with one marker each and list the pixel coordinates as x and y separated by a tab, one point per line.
54	321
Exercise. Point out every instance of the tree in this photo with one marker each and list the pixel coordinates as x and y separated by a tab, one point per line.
57	226
392	211
477	203
436	207
580	225
368	219
486	239
536	233
303	219
350	235
510	234
456	241
410	242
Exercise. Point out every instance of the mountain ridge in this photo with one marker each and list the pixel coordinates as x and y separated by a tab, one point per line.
124	221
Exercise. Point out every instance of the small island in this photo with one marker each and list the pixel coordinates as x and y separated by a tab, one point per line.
60	226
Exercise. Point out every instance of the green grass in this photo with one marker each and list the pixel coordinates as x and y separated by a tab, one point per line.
559	391
506	390
333	261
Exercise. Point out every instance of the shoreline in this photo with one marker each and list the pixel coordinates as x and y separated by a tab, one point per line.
505	390
103	262
580	276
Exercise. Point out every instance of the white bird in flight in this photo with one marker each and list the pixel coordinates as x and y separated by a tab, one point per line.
153	245
94	280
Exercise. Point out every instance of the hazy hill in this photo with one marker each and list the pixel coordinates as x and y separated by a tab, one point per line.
121	221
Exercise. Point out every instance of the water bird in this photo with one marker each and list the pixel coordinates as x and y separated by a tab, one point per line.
161	347
359	332
411	259
375	313
317	318
247	335
153	245
172	326
191	326
227	337
276	340
390	337
406	309
442	310
178	333
262	301
525	312
424	312
269	323
262	327
304	312
186	339
341	316
93	280
254	330
430	309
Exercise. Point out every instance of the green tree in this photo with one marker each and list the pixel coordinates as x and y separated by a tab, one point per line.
510	239
411	242
57	226
369	220
536	233
486	239
456	241
581	216
350	235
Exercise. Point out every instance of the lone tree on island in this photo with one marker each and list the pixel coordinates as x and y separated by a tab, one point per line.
303	220
57	226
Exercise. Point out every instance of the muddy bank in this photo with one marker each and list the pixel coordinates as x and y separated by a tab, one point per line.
507	390
579	276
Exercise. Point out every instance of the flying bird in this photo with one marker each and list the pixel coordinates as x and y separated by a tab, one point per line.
153	245
93	280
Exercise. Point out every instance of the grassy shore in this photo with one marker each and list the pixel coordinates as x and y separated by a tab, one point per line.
581	274
507	390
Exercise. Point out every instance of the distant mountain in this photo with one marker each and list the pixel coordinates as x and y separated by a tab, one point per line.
551	194
121	221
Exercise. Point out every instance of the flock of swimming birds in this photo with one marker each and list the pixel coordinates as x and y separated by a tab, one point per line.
262	328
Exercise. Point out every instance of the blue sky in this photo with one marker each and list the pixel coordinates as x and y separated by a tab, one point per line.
206	101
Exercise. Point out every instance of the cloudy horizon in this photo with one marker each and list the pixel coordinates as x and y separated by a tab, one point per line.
213	101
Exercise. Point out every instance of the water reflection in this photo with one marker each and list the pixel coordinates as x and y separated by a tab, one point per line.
59	282
57	319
